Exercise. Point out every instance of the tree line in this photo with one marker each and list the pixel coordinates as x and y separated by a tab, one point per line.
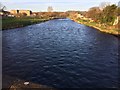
106	15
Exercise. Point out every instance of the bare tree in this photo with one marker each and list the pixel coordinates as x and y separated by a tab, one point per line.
119	4
103	5
94	13
50	9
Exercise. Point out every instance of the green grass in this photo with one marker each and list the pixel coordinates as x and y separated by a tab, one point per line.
102	28
8	23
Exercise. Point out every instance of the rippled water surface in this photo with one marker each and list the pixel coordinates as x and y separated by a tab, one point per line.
61	53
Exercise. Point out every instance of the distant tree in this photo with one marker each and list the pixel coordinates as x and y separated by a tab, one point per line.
118	11
109	14
50	9
103	5
94	13
119	4
63	15
72	14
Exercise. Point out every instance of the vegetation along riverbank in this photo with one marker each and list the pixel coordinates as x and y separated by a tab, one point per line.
105	20
9	23
105	29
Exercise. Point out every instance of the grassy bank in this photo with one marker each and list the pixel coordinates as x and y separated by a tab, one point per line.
102	28
9	23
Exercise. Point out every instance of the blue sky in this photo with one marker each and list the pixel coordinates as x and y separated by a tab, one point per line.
58	5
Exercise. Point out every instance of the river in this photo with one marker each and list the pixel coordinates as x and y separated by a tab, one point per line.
61	53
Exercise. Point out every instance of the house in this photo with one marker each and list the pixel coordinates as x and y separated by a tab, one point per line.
27	12
14	12
79	16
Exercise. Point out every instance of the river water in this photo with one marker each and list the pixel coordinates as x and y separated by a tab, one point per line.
61	53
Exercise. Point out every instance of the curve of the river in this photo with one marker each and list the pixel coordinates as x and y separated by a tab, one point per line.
61	53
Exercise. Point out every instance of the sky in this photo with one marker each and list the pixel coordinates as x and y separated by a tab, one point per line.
58	5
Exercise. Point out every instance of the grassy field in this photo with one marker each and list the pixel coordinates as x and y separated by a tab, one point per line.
9	23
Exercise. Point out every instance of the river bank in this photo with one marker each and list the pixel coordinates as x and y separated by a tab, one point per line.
113	31
10	23
12	83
